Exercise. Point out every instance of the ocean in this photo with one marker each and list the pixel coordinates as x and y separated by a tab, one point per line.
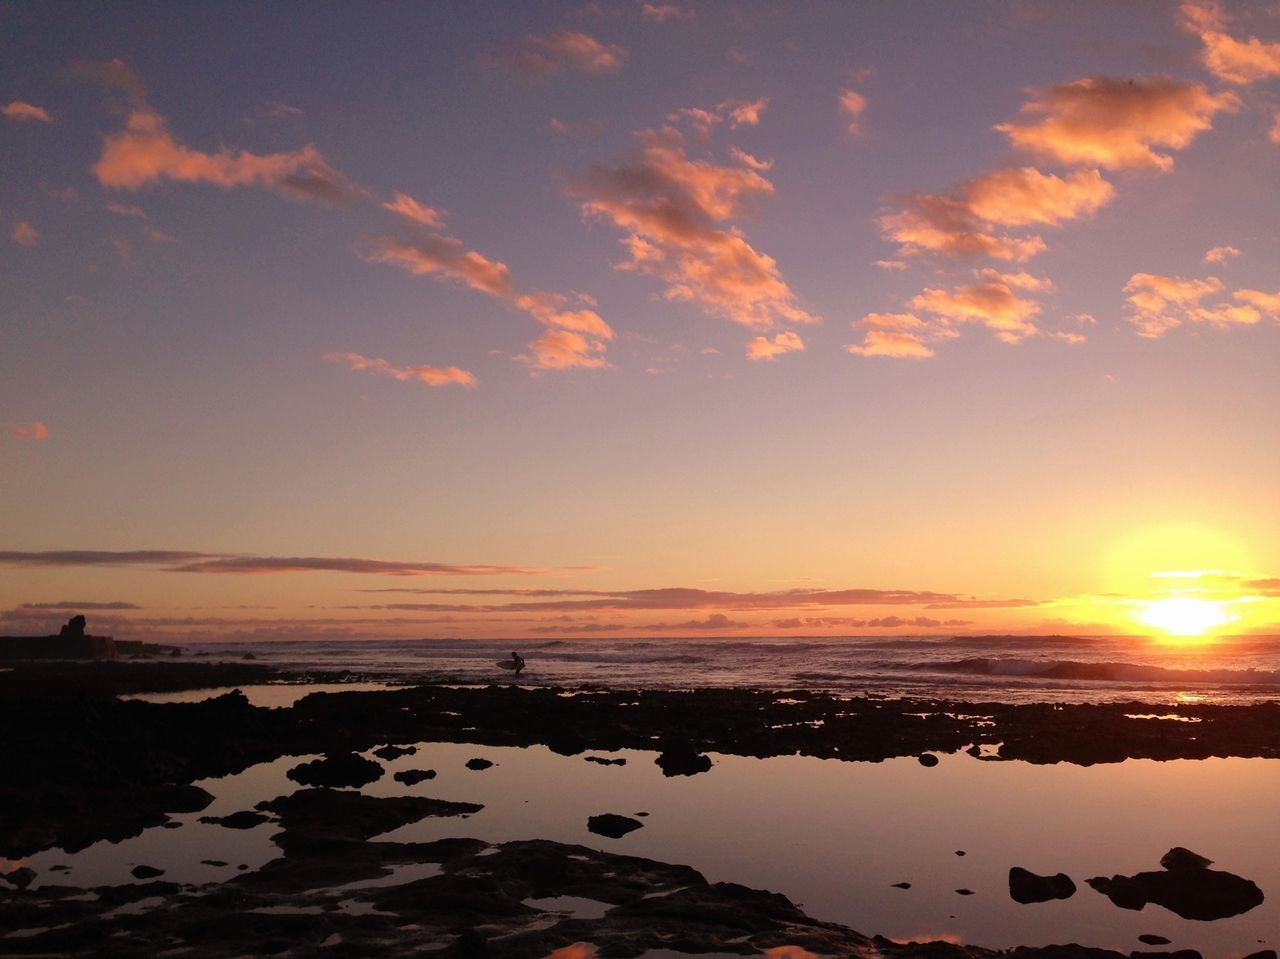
1064	669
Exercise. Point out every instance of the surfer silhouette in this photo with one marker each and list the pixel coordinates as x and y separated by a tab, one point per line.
517	662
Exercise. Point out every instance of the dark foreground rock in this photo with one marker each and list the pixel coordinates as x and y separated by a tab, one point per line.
1026	887
411	777
1186	887
344	769
89	767
465	899
612	825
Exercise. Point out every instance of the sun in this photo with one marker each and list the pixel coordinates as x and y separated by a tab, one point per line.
1183	616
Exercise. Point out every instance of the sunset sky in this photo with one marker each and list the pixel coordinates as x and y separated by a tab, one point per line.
638	319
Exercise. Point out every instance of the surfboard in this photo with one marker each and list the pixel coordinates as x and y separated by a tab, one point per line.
506	664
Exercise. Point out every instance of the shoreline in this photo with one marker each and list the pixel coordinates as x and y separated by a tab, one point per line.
89	766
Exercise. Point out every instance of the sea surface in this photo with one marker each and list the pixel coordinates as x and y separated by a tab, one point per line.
985	669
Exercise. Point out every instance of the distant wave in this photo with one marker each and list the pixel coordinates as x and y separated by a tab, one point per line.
1070	669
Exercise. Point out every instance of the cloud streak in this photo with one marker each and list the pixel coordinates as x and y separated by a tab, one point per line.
561	52
431	375
25	112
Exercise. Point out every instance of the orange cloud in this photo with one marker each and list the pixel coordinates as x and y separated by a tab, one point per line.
26	112
36	431
1220	254
577	338
1235	61
1274	135
432	376
676	212
559	52
896	335
146	152
965	224
1158	304
1116	123
993	302
739	113
853	103
409	208
24	234
744	113
762	348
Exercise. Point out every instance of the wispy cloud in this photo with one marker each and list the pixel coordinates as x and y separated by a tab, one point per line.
677	213
146	152
576	338
1220	254
25	112
895	335
967	223
431	375
853	103
35	432
82	605
662	12
182	561
763	348
24	234
409	208
1116	124
1234	61
1158	304
564	51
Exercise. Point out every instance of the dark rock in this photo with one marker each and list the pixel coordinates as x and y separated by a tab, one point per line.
74	629
171	825
1190	890
345	769
682	761
927	759
1026	887
60	867
1151	939
1263	954
411	777
1181	858
902	885
964	892
145	872
642	814
959	852
244	819
600	760
612	825
213	862
1175	954
20	878
316	818
478	764
394	752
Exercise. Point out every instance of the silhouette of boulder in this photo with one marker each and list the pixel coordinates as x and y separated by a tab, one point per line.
394	752
411	777
479	764
244	819
145	872
1151	939
1026	887
1187	887
927	759
602	761
21	877
347	769
612	825
682	761
74	629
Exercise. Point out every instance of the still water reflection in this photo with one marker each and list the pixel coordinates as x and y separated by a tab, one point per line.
833	836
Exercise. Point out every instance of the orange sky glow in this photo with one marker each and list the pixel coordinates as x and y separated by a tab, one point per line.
618	319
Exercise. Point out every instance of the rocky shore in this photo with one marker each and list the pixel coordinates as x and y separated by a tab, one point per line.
82	765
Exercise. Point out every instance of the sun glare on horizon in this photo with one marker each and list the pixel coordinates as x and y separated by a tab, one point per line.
1183	616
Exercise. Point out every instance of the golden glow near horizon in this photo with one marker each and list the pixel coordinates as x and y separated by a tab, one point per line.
1183	616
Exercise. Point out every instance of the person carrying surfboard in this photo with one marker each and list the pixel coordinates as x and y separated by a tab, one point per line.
517	662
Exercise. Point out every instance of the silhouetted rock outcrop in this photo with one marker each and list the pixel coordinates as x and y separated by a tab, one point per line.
612	825
682	761
1026	887
347	769
1187	887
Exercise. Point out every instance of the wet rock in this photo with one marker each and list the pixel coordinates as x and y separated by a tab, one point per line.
1264	954
411	777
244	819
394	752
478	764
145	872
1151	939
927	760
1027	887
316	818
602	761
213	862
1175	954
682	761
19	878
1188	889
960	852
901	885
343	769
964	892
612	825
